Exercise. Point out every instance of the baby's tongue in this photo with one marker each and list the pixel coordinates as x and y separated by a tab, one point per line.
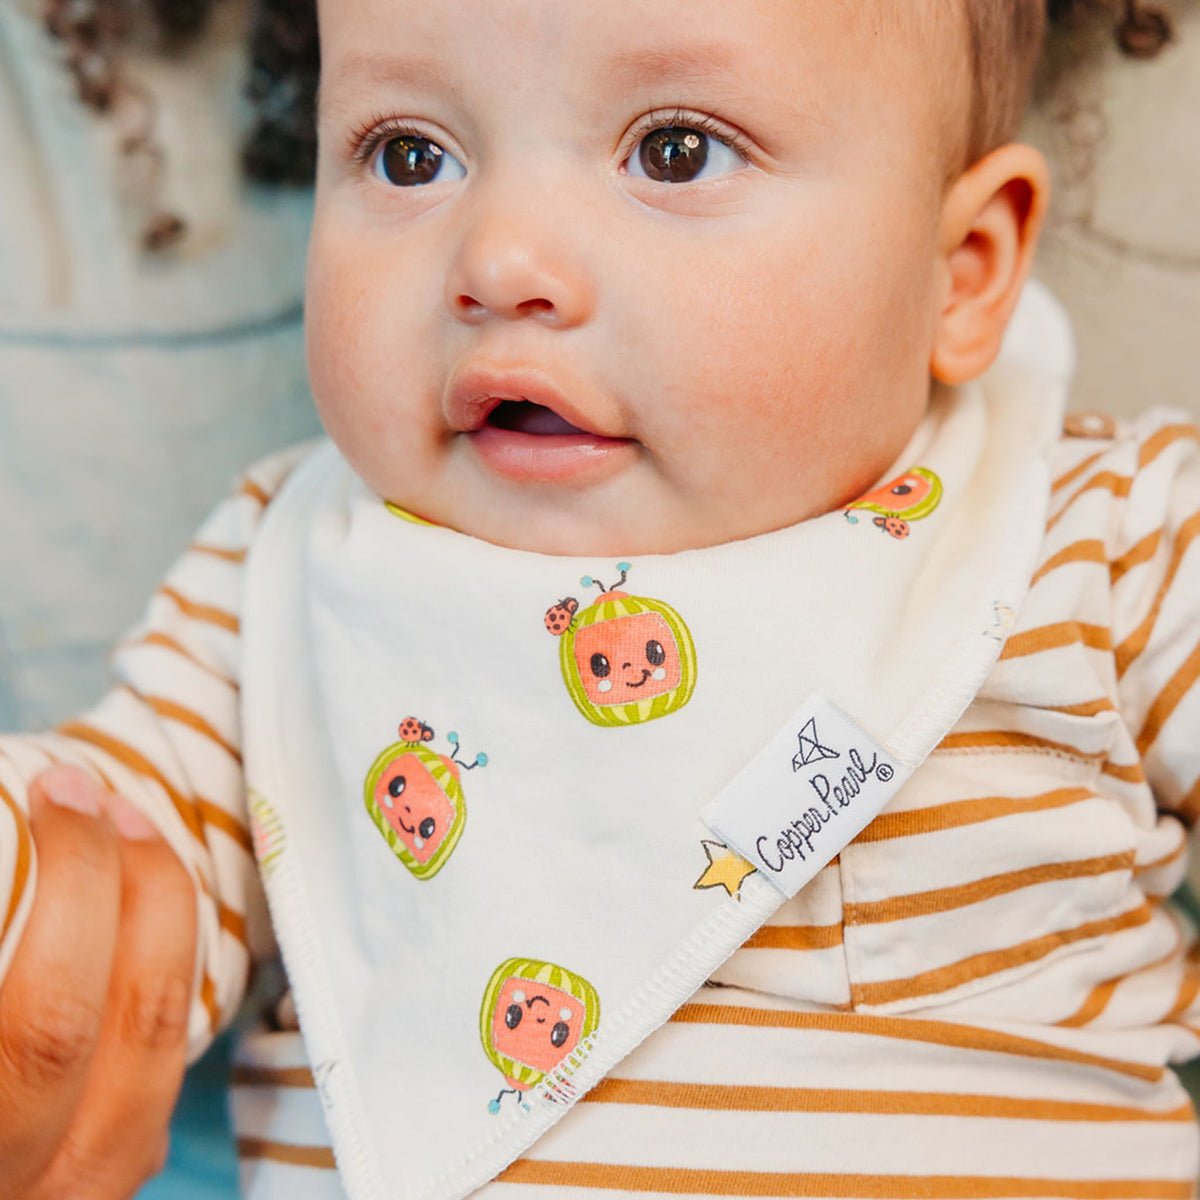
523	416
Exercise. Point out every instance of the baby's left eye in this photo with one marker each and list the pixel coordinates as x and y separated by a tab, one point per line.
408	160
681	154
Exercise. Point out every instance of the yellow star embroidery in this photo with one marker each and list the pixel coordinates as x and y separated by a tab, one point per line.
725	869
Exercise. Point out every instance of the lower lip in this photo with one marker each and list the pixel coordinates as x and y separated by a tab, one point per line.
550	458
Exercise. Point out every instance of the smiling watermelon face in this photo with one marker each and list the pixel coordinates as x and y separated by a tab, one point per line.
416	801
628	659
534	1015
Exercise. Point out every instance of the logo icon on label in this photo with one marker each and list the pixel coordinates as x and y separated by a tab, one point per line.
811	748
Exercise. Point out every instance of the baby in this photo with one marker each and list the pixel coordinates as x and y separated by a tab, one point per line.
707	730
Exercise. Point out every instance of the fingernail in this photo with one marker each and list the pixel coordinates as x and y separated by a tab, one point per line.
69	787
130	823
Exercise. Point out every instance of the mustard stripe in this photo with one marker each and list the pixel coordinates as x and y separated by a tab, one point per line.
938	900
696	1181
208	996
656	1093
1074	473
1189	806
139	765
171	710
1007	739
232	922
915	1029
1053	637
243	1075
214	816
1168	435
1090	550
957	813
1140	553
1096	1002
1127	772
1188	989
1136	642
1168	700
1099	997
1119	485
169	643
226	554
319	1157
255	492
1165	860
207	613
795	937
991	962
24	860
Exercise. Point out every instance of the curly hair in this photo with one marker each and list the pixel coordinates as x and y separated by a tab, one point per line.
285	66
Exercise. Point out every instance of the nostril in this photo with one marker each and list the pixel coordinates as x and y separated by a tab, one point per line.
531	307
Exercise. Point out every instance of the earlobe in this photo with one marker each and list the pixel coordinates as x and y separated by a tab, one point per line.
991	218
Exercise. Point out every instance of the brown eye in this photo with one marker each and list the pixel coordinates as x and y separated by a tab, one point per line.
409	161
673	154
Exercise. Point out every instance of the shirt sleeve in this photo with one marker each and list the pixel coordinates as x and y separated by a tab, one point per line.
167	738
1155	573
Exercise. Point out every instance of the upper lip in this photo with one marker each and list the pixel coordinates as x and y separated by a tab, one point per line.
473	395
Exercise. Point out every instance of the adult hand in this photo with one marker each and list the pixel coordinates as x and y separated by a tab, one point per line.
94	1010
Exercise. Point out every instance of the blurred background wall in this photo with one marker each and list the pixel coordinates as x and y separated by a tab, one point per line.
134	384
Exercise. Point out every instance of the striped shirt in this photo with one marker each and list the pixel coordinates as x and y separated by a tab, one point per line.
978	998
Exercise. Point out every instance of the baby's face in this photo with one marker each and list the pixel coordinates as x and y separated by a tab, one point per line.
623	277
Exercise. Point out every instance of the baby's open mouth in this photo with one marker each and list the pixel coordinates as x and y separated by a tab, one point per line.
523	416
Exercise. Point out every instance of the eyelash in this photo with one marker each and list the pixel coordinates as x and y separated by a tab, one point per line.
683	118
367	138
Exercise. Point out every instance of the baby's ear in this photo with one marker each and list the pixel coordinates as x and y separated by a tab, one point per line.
991	218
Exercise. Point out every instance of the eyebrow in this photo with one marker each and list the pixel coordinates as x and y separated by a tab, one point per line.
694	64
700	63
366	70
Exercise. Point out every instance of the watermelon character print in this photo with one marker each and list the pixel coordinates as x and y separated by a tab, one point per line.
625	659
534	1015
910	497
415	798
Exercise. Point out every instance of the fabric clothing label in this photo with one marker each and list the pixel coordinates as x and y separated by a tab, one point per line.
815	786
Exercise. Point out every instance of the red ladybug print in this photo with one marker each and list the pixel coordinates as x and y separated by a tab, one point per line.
558	616
412	730
894	525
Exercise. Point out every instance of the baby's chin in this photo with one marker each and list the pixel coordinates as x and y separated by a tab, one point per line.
573	525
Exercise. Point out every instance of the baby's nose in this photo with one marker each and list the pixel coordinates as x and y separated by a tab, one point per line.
511	265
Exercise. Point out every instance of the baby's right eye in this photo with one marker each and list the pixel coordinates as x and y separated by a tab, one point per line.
409	160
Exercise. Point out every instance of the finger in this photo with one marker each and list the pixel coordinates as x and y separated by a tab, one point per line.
118	1137
52	1002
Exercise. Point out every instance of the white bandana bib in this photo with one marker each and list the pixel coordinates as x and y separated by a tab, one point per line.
513	810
